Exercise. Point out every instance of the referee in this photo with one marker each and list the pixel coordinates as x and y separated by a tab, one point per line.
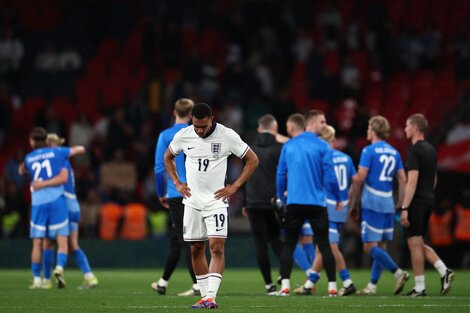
418	203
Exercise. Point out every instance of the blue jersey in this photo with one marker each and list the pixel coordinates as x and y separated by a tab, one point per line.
43	164
344	170
305	163
69	186
163	142
382	161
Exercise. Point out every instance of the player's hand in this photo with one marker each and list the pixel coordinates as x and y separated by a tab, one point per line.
37	184
404	219
245	212
183	189
225	192
164	202
354	214
21	169
339	206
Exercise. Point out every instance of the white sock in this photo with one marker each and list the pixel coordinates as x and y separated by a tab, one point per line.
285	283
440	267
268	286
59	269
309	284
348	282
371	286
162	282
332	286
37	280
196	287
307	272
419	283
213	285
91	276
397	273
203	283
46	281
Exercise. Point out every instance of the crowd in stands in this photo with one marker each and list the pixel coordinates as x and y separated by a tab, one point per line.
105	74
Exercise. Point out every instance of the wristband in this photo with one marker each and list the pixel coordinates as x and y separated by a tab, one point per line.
403	208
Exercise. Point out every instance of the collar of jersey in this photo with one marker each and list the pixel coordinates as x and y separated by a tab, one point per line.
214	124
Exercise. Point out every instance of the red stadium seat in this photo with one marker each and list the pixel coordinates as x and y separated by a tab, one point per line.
64	109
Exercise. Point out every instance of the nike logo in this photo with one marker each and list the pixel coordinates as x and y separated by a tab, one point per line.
189	148
218	229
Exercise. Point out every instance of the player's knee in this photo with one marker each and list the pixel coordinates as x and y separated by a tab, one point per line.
217	249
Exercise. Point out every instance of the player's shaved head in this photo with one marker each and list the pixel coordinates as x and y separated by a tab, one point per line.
297	120
201	111
266	121
420	121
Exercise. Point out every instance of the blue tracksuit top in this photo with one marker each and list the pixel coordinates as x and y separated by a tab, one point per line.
163	142
306	165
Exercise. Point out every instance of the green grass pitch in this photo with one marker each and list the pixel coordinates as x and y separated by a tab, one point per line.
242	290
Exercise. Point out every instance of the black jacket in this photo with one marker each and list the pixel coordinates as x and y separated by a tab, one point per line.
261	187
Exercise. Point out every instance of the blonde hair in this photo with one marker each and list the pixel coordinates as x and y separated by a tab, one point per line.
54	140
380	126
328	133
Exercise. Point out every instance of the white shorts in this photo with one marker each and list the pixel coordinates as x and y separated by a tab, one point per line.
200	225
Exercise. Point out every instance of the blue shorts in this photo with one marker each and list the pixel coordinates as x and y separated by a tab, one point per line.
74	213
306	229
49	220
334	231
376	227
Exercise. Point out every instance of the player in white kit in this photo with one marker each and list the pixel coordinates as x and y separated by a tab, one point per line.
207	145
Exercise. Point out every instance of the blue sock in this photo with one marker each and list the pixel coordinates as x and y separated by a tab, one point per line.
383	258
314	277
47	262
309	249
301	259
375	272
82	261
61	259
36	268
344	274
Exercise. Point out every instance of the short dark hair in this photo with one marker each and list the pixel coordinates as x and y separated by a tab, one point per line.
201	110
266	121
420	121
313	113
38	134
183	107
298	120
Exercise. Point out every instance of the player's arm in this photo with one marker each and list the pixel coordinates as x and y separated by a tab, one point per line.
409	192
159	171
402	186
281	175
170	165
76	150
21	169
251	163
352	193
57	180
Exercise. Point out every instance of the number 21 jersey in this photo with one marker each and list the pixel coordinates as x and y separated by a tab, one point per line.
206	162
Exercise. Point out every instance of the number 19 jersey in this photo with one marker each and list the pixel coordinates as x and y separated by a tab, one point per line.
383	161
206	162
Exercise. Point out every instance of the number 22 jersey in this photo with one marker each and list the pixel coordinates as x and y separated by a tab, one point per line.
206	162
383	161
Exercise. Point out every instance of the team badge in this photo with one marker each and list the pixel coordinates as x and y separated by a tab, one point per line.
216	148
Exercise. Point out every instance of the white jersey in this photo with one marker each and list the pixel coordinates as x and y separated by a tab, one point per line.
206	162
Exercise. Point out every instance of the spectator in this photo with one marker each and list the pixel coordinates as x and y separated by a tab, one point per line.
69	59
47	59
90	211
11	52
11	170
81	134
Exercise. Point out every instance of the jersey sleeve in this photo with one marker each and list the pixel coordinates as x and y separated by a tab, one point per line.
330	181
281	174
64	153
159	168
412	160
236	145
366	158
176	145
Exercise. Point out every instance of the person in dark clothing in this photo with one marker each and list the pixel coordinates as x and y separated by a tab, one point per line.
260	190
418	202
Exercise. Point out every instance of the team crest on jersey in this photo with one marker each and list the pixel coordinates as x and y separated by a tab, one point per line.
216	148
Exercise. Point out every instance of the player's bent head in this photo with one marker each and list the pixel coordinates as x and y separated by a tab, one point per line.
183	107
297	121
420	121
54	140
328	133
201	110
267	122
37	137
380	126
313	114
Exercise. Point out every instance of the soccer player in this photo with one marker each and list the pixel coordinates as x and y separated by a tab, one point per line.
49	216
418	202
378	164
207	145
305	164
260	190
73	208
346	176
172	200
304	252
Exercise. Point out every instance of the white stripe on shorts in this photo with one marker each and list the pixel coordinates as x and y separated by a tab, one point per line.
58	226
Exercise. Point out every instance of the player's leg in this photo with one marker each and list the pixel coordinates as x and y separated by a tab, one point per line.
334	236
37	232
302	253
258	219
313	275
36	263
447	275
293	222
47	262
318	218
170	264
59	229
